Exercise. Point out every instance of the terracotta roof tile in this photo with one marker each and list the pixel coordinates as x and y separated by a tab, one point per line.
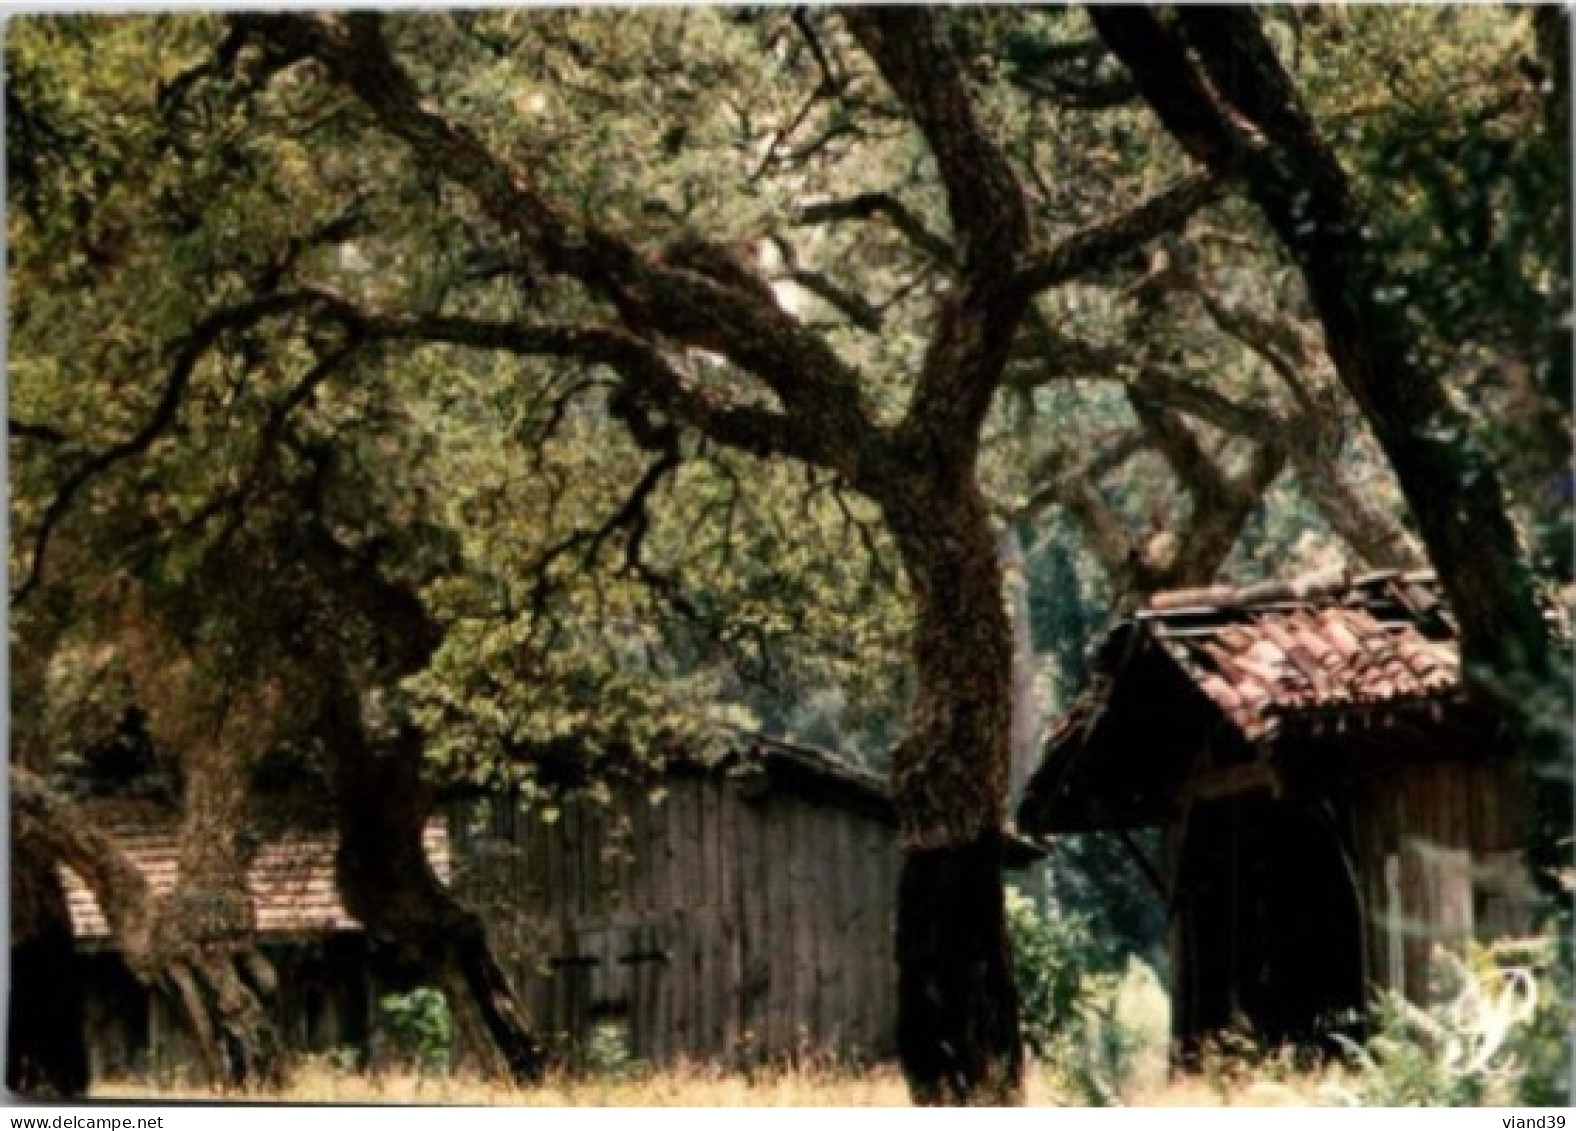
1282	650
290	881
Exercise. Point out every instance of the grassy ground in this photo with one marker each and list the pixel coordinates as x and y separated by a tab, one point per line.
1141	1009
878	1087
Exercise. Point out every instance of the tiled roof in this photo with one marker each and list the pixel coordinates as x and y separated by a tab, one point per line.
1272	652
1275	663
291	877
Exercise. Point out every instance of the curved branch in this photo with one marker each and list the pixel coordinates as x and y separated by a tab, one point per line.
1204	403
1107	241
1215	522
1210	131
883	205
71	838
690	302
853	305
1201	477
759	431
984	198
192	350
42	433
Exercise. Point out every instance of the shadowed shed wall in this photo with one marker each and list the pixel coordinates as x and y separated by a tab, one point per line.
725	921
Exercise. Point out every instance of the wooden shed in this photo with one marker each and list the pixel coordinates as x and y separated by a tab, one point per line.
327	997
1333	805
731	912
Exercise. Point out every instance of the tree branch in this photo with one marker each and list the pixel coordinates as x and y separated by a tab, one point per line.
984	198
1051	476
698	303
854	306
1210	131
1215	522
1103	243
883	205
42	433
1204	403
187	356
1201	477
70	837
759	431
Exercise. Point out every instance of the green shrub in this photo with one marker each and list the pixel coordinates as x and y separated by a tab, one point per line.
1067	999
421	1028
608	1055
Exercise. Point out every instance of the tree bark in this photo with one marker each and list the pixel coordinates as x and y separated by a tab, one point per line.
419	933
957	1004
1363	524
216	983
205	951
202	951
46	1047
149	935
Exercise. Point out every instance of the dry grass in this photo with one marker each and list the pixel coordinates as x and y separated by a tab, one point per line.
701	1087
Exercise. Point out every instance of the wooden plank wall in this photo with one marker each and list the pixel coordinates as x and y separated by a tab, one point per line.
706	926
1431	840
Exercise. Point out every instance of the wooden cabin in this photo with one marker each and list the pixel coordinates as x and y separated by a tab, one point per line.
731	912
746	913
327	996
1333	806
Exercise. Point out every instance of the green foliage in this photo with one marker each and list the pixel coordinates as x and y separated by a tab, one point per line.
421	1028
1093	877
608	1055
1499	1035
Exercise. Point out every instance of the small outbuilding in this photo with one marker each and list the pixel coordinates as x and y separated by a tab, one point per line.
731	911
327	994
726	911
1332	803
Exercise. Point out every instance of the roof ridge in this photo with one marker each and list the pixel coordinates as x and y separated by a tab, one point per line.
1305	587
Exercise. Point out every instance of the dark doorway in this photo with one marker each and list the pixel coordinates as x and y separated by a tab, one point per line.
1269	934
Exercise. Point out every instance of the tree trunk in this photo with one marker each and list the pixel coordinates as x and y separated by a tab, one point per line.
419	933
205	955
194	945
957	1004
1371	532
46	1047
216	987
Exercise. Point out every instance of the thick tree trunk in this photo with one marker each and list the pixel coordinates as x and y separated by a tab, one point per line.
957	1004
204	955
224	991
46	1047
216	985
420	934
